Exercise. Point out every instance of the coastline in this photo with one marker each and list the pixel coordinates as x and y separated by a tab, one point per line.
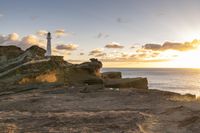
167	79
64	109
57	96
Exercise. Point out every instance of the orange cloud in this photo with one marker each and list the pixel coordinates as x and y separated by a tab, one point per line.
173	46
96	51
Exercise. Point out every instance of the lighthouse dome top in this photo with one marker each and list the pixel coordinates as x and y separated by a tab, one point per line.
48	35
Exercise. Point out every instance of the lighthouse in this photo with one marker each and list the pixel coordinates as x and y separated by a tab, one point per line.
48	53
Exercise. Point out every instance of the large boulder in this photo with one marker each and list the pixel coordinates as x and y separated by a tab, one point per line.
92	67
111	75
87	73
139	83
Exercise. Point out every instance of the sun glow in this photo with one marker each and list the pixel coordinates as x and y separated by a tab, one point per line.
189	59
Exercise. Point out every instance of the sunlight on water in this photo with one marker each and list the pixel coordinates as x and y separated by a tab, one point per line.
175	80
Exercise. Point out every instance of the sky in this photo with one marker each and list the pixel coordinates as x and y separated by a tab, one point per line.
121	33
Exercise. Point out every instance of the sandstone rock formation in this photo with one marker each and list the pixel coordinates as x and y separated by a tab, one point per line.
87	73
55	110
32	68
44	108
12	56
115	80
9	52
111	75
140	83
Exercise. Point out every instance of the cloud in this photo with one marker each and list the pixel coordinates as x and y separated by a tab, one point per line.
63	53
152	46
186	46
114	45
30	40
132	60
2	39
11	39
95	51
24	43
1	15
165	52
121	57
60	33
100	55
68	47
42	33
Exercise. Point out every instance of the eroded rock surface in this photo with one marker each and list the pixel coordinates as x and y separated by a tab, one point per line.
31	67
41	95
111	75
140	83
58	110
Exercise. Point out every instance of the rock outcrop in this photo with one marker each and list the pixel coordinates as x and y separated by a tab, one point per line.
115	80
111	75
32	68
12	56
9	52
140	83
57	110
86	74
35	52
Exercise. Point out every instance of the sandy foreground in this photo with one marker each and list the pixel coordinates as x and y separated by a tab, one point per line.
59	110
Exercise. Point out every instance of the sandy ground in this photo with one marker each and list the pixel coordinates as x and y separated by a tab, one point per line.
58	110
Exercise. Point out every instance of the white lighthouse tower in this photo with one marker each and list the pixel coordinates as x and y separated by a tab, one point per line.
48	53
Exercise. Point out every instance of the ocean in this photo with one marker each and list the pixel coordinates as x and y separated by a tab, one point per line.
180	80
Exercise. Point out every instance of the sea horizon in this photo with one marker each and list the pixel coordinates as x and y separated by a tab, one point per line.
149	68
178	80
